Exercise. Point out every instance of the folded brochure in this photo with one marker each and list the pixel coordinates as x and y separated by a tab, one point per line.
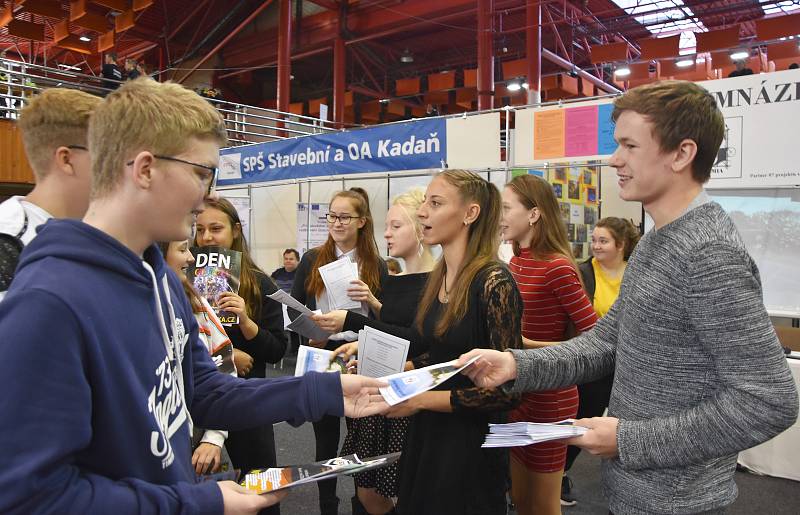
311	359
264	481
409	384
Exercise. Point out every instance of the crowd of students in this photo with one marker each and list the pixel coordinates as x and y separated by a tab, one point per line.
111	379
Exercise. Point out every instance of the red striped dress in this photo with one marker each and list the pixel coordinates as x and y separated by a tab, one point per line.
552	294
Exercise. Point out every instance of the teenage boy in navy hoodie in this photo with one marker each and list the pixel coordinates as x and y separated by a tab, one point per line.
103	374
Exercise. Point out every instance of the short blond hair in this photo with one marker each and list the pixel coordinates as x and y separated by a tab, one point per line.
143	114
54	118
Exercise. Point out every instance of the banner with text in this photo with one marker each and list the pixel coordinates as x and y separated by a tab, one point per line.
401	146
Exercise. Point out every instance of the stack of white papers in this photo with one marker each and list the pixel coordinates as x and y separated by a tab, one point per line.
380	354
519	434
337	276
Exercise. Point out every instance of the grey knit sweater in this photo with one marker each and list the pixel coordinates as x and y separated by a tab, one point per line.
699	372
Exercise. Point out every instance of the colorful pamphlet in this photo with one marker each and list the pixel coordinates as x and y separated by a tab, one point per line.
311	359
264	481
406	385
216	270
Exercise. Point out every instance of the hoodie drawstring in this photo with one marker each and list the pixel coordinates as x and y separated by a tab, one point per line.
173	350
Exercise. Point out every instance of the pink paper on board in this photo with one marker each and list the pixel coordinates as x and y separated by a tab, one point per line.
581	131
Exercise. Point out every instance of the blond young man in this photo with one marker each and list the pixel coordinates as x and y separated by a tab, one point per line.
106	374
699	374
54	126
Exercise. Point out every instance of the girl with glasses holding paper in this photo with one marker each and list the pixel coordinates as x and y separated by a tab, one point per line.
350	237
257	339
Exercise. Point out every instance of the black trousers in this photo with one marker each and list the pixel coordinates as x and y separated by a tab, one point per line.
592	401
326	436
252	449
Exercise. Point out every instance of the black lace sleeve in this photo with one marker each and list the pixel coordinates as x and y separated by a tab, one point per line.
501	304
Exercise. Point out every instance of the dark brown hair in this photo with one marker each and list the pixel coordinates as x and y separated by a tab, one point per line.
482	244
366	249
625	234
249	287
679	110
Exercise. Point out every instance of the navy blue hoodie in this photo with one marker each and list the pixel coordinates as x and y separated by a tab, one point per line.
100	361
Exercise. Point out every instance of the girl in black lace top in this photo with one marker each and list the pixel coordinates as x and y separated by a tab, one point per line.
470	301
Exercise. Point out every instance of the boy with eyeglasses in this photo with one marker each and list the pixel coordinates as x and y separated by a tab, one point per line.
105	375
53	126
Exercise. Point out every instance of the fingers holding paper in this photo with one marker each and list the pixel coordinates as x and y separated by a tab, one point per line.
332	322
237	500
362	397
600	439
492	369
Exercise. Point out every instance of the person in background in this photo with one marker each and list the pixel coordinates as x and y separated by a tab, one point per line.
131	69
284	276
350	236
393	266
111	71
555	304
54	125
613	241
379	435
257	339
209	454
470	300
699	374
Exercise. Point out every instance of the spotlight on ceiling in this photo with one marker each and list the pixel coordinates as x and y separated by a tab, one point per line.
622	71
684	63
525	85
84	38
514	86
406	56
740	55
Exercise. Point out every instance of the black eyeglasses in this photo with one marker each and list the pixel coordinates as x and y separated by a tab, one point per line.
77	147
211	178
343	219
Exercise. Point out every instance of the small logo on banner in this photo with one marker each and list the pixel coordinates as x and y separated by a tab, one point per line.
728	164
230	166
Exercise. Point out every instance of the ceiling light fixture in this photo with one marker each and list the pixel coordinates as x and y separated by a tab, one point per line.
84	38
740	55
525	85
684	63
514	86
622	72
406	56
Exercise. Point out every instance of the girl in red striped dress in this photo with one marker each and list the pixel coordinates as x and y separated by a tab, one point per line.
554	301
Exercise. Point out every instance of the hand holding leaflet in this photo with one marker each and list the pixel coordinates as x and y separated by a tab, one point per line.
304	326
311	359
289	301
337	276
406	385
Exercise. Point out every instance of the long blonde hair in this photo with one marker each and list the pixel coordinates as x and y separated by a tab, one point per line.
482	243
549	232
411	201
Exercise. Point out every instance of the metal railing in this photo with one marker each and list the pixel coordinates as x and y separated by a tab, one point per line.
245	124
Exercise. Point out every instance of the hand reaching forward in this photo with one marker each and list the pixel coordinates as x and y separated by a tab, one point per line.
361	396
239	501
493	369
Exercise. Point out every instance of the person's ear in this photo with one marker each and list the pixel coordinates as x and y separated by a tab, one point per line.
362	221
684	155
141	169
534	216
472	214
62	161
237	230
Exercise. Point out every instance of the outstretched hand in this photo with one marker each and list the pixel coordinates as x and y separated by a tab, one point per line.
361	396
237	500
491	370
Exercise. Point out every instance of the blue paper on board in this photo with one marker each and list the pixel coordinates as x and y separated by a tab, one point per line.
605	130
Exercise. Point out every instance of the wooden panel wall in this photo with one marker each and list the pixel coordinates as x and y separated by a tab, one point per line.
14	165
